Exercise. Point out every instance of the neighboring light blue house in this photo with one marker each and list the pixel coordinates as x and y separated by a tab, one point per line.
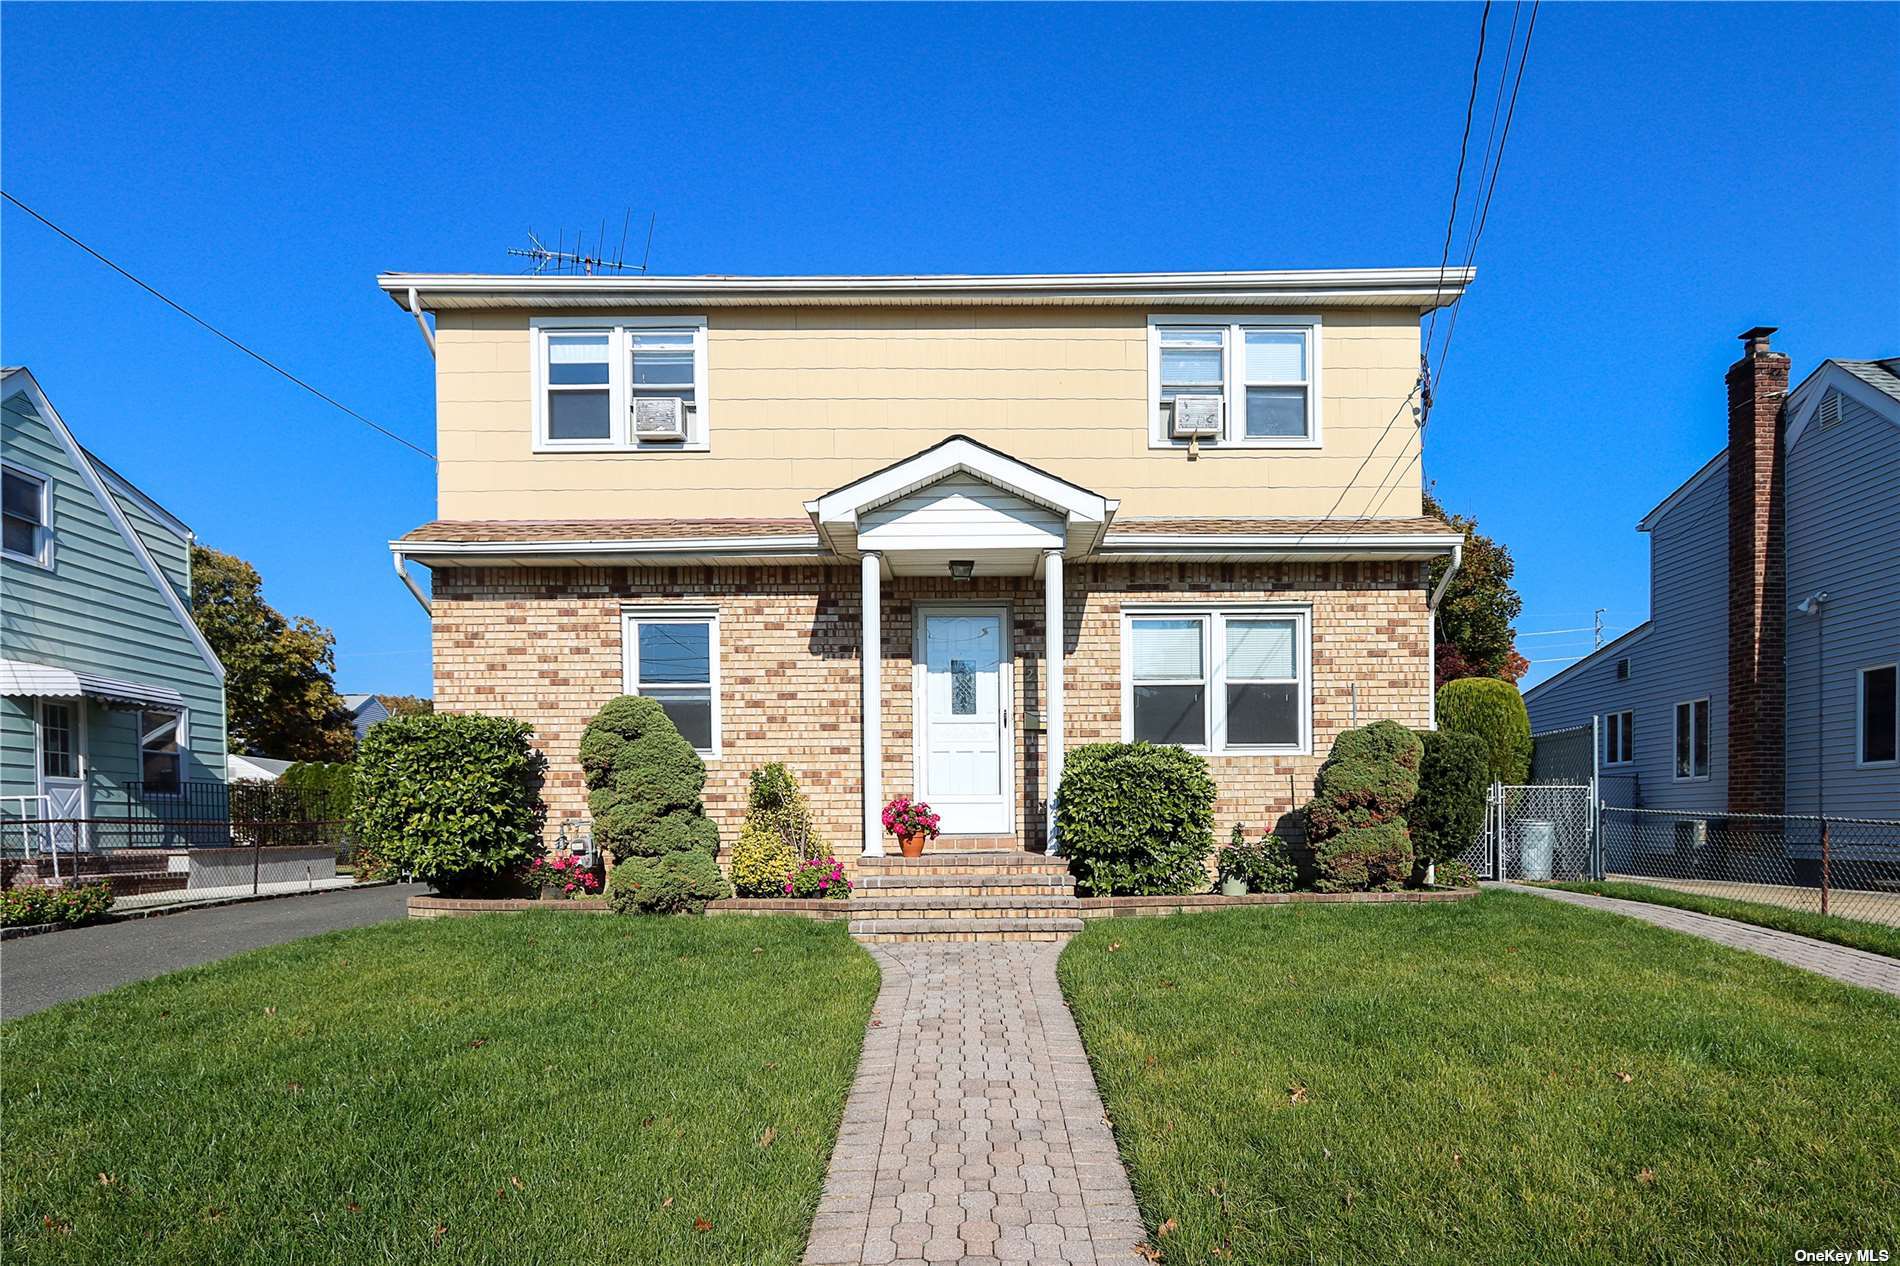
111	702
1764	680
365	711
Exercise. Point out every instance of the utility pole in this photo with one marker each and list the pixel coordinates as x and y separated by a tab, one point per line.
1596	634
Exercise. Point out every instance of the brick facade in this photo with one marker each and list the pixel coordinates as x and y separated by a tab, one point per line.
1757	609
545	645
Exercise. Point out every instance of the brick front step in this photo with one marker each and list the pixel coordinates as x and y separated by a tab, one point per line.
1001	884
990	862
961	905
976	844
885	931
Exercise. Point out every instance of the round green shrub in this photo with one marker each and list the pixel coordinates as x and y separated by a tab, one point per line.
1264	865
671	883
1448	811
1370	777
1492	709
452	799
1135	819
1364	859
644	783
761	861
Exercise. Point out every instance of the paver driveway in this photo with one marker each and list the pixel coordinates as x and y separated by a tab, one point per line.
974	1132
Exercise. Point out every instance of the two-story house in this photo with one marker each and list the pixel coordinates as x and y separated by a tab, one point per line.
1057	510
111	702
1764	680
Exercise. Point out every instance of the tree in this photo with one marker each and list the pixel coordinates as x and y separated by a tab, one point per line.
407	705
1475	636
280	699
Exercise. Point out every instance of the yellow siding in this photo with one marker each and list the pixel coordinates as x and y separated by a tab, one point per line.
803	400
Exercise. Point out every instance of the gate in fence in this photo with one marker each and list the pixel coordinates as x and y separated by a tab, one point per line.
1542	831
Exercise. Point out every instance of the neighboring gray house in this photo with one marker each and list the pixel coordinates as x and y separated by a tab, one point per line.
111	702
1764	679
365	711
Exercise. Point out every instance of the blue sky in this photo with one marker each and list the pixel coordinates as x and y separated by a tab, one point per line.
1675	175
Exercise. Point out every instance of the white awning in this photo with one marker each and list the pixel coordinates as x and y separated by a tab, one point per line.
21	680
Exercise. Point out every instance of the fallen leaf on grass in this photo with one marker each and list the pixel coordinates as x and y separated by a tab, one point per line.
700	1224
1168	1228
765	1139
1113	946
667	1203
353	1207
515	1180
295	1087
1220	1250
106	1180
1148	1251
1458	1158
52	1223
1296	1093
270	1010
475	1044
214	1214
771	1063
1646	1176
758	949
1625	1078
1347	1198
646	1123
437	1234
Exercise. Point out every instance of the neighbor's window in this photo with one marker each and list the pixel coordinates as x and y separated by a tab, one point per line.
591	374
1619	738
1224	681
1262	369
1692	739
24	498
673	659
160	751
1879	727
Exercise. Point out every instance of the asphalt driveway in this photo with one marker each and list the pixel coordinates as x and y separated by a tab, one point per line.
37	972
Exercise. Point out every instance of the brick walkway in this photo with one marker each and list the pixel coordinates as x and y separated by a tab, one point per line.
974	1132
1851	966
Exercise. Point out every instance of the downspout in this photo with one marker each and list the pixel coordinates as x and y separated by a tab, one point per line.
1438	595
428	336
402	569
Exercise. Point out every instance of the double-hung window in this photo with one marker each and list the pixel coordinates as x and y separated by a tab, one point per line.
672	657
1619	738
1264	370
25	516
1877	732
161	748
1229	680
1692	739
591	376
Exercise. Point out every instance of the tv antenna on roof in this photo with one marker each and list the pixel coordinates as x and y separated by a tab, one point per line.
558	259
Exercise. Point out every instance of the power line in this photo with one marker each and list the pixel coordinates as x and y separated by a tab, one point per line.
257	356
1458	181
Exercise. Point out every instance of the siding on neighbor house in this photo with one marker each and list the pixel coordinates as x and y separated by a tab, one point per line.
803	400
169	550
1681	657
96	610
1843	534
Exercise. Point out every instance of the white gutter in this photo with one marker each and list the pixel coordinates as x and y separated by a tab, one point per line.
415	310
402	569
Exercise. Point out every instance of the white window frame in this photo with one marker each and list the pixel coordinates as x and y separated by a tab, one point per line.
631	618
1213	621
1233	365
1621	725
619	331
1676	746
183	739
42	556
1860	718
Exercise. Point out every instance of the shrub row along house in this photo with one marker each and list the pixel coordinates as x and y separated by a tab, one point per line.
1060	509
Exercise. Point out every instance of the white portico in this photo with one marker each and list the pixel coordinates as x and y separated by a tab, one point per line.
963	510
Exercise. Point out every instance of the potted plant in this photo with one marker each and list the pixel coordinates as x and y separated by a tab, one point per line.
912	822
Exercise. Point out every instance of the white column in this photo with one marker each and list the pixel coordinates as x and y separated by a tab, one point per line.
871	668
1052	677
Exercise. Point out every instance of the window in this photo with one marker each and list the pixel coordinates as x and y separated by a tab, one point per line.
673	659
59	749
1622	670
1223	681
590	373
1264	370
1877	731
1692	739
1619	738
161	749
25	516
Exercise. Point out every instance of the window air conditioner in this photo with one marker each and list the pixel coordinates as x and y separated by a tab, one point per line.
659	418
1196	417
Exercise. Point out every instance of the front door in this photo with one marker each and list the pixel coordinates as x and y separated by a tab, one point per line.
61	753
963	766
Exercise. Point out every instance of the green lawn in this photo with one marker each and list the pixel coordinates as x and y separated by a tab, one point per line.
1876	938
511	1089
1445	1083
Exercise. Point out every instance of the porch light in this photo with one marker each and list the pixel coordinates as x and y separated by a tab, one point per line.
962	568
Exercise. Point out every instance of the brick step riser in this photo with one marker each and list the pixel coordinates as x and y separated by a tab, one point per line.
951	887
911	912
909	938
969	864
979	929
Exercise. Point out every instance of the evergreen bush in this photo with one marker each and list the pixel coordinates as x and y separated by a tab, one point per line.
1365	859
1493	710
670	883
1448	812
762	861
644	783
1370	777
1135	819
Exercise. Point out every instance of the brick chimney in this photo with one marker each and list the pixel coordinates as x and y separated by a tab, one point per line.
1757	615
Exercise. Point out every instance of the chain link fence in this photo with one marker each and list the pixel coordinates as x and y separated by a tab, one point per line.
1538	832
1848	867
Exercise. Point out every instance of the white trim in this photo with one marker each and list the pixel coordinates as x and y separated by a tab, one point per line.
1860	717
81	762
1624	735
1676	734
1806	399
618	330
789	546
1005	703
1213	619
1054	661
181	735
77	456
632	615
43	529
1233	327
871	698
1397	545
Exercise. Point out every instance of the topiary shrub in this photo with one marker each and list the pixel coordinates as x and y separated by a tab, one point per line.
1365	859
1370	777
773	800
1448	811
1263	865
452	799
761	860
644	783
1492	709
671	883
1135	819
